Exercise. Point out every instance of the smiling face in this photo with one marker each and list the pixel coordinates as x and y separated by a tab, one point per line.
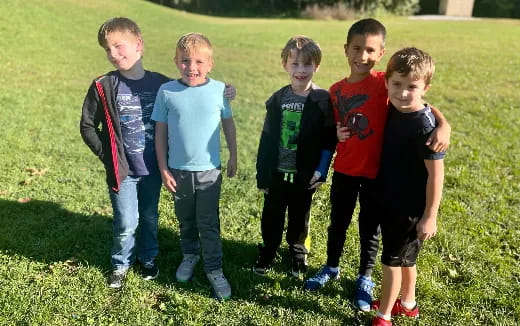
194	65
300	71
123	49
363	52
406	92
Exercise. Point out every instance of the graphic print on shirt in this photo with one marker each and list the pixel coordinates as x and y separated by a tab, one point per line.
289	131
357	123
135	111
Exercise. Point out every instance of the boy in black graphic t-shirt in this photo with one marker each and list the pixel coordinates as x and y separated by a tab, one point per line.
296	146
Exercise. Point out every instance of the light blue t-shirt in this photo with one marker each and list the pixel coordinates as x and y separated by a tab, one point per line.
193	116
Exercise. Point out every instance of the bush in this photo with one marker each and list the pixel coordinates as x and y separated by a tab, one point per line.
338	11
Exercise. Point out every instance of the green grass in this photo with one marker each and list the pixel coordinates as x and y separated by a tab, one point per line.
54	249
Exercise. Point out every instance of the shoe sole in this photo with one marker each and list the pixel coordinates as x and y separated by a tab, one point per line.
151	277
362	308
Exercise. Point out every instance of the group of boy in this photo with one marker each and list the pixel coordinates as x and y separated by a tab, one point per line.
380	128
389	147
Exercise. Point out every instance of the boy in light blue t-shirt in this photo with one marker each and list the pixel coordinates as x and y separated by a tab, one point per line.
188	112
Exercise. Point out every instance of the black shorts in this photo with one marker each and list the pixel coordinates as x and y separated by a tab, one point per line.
400	244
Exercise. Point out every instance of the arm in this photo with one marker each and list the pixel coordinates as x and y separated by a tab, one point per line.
230	92
320	175
228	125
427	226
439	140
90	119
161	149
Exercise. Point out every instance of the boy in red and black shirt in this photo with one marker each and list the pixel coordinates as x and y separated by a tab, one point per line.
360	105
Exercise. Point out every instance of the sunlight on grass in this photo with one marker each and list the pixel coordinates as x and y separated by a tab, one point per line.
56	215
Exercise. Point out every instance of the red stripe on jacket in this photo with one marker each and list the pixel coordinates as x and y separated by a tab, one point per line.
113	145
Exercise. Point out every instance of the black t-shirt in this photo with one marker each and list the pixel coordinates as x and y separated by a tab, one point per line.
402	173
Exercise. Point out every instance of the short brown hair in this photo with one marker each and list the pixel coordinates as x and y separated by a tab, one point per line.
310	50
117	24
411	60
191	42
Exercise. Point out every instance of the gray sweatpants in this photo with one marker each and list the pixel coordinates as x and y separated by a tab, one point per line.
196	207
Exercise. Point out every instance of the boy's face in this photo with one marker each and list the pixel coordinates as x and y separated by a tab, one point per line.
123	49
406	92
363	52
194	66
300	72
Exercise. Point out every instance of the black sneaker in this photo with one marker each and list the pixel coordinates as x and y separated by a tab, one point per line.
150	271
263	261
299	265
115	280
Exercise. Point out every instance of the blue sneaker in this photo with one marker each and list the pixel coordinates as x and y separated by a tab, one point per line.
321	278
363	296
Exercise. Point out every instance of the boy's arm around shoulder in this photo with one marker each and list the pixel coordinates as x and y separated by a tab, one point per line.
427	225
439	140
91	115
228	126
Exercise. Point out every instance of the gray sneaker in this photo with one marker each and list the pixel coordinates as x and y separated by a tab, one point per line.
221	287
115	280
185	269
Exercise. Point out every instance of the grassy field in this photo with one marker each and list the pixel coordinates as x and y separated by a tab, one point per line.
55	216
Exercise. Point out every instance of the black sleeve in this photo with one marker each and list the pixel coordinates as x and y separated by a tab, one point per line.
89	125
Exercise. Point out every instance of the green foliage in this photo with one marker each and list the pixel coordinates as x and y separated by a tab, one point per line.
288	7
55	214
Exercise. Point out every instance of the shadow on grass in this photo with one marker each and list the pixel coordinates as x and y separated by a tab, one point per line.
46	232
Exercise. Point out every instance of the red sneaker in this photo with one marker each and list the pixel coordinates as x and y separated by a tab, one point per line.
398	309
378	321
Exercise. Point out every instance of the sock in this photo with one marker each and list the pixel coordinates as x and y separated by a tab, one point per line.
385	317
409	305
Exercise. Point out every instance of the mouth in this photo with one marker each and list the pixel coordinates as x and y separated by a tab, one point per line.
300	77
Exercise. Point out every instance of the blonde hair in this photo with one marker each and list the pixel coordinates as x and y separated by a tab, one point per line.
193	42
117	24
310	50
411	61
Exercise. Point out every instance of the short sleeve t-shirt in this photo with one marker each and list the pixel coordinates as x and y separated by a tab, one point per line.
291	107
363	107
134	101
403	174
193	115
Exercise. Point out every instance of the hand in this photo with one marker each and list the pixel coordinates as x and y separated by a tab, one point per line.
343	133
426	228
439	139
313	183
169	181
231	167
230	92
265	191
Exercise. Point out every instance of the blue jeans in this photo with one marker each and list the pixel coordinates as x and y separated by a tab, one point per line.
135	221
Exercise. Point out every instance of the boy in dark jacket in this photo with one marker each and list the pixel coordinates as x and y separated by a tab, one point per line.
296	147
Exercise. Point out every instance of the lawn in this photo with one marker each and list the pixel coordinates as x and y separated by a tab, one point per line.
55	215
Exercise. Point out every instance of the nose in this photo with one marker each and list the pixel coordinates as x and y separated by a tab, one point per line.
364	56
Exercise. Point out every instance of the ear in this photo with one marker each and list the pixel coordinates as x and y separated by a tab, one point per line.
140	44
386	83
426	88
381	53
284	65
345	47
317	68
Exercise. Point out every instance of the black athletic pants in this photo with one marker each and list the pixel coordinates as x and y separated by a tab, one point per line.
286	196
343	196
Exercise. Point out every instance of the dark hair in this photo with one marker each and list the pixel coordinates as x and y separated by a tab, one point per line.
119	24
307	47
411	61
368	26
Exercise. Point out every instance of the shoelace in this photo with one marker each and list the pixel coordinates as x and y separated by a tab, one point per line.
219	280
